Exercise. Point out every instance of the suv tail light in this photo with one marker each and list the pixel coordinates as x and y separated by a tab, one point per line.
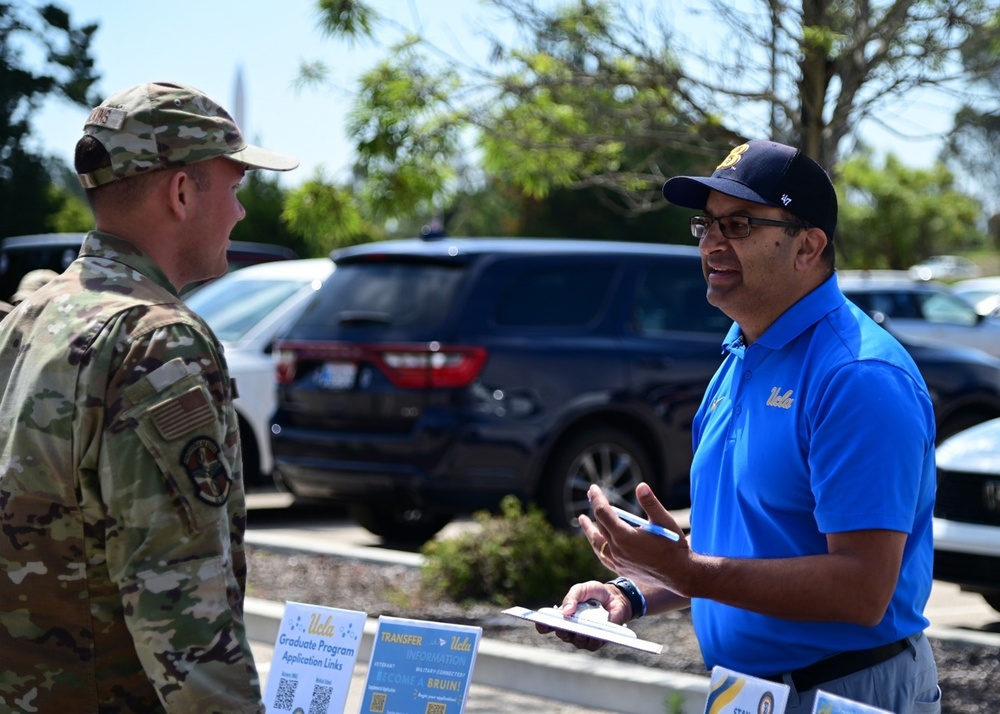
408	366
433	365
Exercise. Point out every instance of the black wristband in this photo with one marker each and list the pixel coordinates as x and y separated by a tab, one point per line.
635	599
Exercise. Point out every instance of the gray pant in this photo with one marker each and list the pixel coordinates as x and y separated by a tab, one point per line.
904	684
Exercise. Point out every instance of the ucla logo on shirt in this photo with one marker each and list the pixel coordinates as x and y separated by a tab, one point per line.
777	399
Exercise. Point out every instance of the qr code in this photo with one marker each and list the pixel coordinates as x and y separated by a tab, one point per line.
284	700
378	702
320	701
436	708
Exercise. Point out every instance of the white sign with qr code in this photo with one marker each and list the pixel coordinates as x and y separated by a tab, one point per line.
314	657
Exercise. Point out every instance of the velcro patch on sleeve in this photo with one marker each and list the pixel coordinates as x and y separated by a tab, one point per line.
182	414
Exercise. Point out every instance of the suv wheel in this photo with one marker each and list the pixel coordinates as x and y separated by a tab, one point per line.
606	456
399	524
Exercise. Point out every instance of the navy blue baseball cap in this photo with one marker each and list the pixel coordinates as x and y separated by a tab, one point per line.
768	173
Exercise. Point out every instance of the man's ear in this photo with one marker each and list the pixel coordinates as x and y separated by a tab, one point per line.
180	193
812	243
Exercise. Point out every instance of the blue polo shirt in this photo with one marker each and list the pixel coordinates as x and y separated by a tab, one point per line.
823	425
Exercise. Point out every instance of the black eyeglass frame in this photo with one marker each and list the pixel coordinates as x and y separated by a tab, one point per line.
700	225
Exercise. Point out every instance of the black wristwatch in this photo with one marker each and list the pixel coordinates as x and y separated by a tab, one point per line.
635	598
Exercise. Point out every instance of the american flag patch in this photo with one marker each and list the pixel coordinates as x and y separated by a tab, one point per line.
182	414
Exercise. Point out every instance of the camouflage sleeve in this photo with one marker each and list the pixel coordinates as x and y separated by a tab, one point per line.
170	472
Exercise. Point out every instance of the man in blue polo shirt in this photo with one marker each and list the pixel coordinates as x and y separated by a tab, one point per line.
810	554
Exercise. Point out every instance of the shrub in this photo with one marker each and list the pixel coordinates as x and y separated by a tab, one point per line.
516	557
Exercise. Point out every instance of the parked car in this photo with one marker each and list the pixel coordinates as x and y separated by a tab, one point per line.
246	309
432	378
21	254
967	511
922	311
982	293
964	383
944	267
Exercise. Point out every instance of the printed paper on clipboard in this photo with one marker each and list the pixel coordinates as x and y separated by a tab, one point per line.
584	624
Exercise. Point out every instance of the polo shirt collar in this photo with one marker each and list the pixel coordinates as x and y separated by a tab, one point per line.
809	310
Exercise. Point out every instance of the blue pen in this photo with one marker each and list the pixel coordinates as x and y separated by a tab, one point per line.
645	525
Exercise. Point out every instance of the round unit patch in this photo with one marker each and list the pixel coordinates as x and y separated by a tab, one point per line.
206	470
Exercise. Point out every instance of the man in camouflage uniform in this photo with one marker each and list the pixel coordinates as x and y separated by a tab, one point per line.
122	564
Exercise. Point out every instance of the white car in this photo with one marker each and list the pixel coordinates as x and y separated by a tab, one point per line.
247	309
944	267
967	511
921	311
982	293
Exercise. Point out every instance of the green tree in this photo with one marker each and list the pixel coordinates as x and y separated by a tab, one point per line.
974	143
604	93
327	216
70	214
894	216
263	198
66	70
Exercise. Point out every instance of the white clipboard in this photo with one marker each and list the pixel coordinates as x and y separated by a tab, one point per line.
616	634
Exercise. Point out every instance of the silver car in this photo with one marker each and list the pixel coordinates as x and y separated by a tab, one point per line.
921	311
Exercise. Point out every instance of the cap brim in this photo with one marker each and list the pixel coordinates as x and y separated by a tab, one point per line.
692	191
254	157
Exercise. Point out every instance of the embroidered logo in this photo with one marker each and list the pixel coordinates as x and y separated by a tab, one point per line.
734	157
777	399
201	459
785	199
716	402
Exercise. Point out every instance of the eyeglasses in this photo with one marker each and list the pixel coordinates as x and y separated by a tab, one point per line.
736	227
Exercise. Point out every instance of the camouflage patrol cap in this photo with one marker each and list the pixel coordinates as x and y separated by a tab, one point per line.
32	281
162	125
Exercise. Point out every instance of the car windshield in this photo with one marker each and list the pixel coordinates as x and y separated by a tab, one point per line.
233	307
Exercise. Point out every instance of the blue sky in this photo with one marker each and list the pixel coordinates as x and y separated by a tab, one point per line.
207	43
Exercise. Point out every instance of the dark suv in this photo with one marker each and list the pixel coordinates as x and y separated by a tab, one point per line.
432	378
21	254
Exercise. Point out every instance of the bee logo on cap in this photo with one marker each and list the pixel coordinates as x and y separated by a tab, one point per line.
734	156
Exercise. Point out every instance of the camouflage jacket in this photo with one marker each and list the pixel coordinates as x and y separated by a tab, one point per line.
121	500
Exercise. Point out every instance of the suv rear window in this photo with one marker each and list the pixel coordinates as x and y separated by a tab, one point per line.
408	295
